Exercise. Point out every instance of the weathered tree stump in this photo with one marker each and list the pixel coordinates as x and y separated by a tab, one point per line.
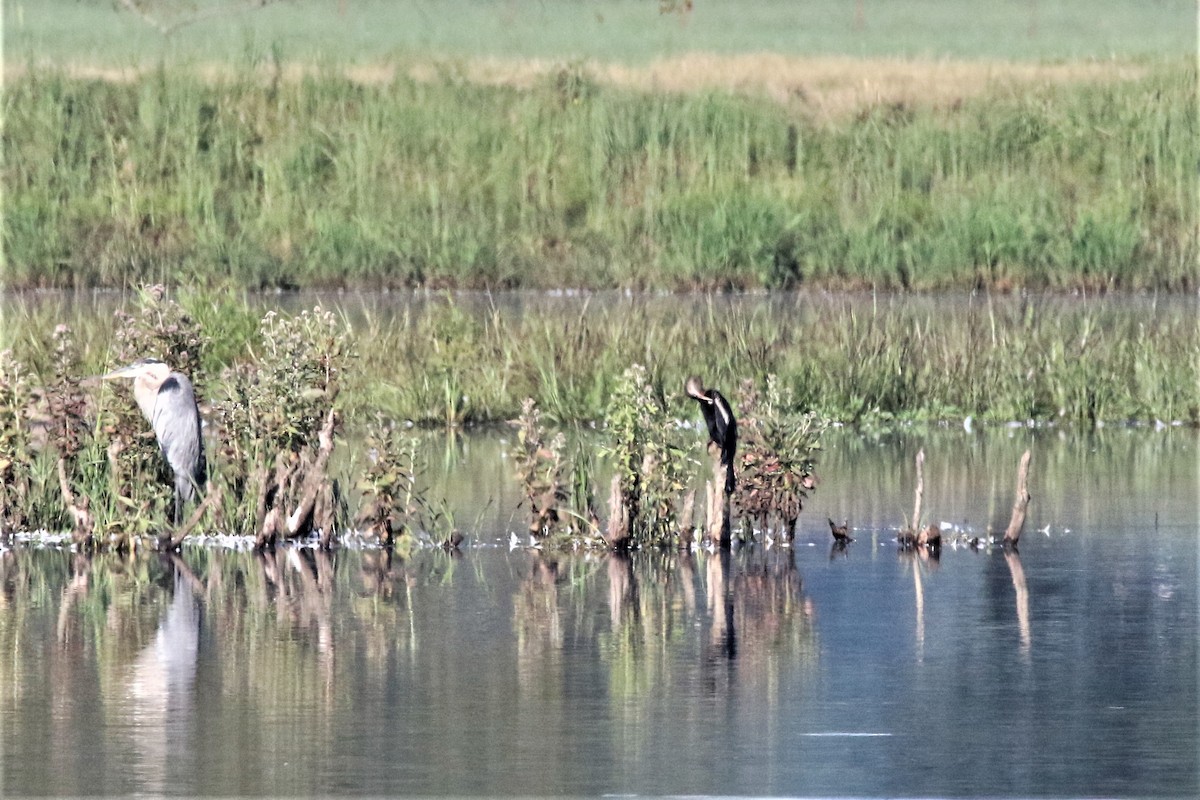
718	504
915	522
618	533
1020	504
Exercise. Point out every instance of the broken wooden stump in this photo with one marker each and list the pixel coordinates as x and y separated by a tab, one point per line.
618	534
299	481
915	521
718	505
1020	504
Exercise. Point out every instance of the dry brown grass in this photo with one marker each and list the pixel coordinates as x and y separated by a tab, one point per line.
832	87
828	87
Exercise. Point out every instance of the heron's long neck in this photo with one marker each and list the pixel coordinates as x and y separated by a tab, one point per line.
145	393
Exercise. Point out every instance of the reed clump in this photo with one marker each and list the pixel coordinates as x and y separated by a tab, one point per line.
324	180
866	359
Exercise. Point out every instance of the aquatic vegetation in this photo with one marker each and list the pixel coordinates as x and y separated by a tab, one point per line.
388	483
278	419
878	362
649	465
16	447
652	499
541	471
778	456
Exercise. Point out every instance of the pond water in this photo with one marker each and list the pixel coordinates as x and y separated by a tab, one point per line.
1069	669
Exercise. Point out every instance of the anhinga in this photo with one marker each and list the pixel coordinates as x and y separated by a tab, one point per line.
722	427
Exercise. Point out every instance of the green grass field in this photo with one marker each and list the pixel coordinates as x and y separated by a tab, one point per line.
91	31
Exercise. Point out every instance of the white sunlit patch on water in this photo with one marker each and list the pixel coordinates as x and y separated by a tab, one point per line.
44	538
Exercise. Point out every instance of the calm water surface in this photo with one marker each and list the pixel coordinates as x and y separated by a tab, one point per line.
1067	670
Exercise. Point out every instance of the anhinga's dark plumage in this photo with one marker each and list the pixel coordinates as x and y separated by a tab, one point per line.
722	427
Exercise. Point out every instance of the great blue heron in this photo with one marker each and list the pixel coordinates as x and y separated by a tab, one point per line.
722	427
168	401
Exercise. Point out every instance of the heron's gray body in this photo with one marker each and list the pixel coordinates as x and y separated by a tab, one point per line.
180	430
168	402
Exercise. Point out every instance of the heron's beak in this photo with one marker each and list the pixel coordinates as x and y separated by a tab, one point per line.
124	372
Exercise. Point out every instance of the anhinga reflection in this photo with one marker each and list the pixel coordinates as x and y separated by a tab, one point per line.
722	427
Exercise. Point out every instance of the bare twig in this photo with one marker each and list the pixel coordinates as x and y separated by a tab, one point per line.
134	8
171	540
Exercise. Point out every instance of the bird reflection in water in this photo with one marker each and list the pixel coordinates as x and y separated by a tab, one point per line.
160	690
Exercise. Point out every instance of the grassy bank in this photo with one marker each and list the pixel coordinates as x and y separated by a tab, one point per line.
327	181
443	360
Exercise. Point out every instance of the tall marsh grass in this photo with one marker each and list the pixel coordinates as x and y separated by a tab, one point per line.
320	181
462	360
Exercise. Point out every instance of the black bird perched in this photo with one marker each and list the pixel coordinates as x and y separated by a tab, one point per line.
722	427
168	402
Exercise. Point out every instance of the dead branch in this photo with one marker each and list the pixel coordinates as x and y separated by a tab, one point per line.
316	477
1020	504
171	540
